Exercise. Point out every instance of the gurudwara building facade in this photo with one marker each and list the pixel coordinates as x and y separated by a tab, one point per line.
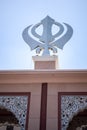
45	98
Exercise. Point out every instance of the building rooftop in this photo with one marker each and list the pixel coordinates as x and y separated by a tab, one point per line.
39	76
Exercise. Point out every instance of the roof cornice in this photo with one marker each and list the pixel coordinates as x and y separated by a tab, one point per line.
40	76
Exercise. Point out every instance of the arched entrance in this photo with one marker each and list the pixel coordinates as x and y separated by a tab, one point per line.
79	121
18	105
70	104
8	121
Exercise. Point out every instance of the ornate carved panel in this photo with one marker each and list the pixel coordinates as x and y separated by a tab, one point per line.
18	104
69	104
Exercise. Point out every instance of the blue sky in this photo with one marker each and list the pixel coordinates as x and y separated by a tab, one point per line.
15	15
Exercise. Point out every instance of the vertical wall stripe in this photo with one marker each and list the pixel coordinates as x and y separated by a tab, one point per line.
43	112
28	110
59	111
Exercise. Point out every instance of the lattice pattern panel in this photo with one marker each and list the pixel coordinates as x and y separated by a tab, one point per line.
71	105
18	105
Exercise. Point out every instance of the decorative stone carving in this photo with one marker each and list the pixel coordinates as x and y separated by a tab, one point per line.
70	106
47	40
17	105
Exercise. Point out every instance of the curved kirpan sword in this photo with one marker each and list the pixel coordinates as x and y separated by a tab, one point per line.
47	40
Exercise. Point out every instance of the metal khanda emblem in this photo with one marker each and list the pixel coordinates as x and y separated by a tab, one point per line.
47	41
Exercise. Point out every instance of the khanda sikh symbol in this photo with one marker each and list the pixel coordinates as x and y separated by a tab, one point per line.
47	41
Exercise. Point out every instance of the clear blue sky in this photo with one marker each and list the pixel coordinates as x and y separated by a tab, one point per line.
15	15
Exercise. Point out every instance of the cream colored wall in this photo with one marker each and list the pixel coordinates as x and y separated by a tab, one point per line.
52	101
35	89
